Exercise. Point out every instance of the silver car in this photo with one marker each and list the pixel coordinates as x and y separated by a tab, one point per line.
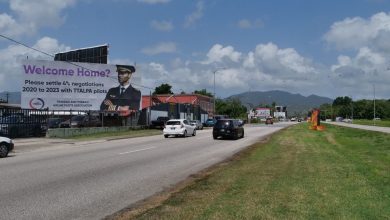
198	125
6	146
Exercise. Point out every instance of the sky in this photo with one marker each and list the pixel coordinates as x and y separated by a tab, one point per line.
328	48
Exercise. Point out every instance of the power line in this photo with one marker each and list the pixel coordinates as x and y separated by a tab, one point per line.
51	55
32	48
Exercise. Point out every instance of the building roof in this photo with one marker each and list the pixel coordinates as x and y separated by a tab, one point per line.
174	98
8	105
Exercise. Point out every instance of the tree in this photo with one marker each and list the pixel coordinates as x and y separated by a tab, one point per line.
232	107
342	101
203	92
164	88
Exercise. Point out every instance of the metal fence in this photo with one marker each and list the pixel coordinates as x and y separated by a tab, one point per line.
16	122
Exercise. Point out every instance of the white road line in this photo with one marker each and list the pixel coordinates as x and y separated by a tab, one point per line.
129	152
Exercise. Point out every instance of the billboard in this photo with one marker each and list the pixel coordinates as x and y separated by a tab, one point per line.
263	112
59	85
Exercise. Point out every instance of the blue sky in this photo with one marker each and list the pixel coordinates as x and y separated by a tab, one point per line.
328	48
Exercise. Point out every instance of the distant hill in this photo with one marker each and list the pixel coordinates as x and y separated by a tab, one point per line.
13	97
297	104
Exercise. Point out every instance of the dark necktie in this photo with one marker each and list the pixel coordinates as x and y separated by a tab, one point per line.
122	90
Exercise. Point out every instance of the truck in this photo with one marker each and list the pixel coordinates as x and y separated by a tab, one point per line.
159	122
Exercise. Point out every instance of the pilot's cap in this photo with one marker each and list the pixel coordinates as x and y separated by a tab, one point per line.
125	69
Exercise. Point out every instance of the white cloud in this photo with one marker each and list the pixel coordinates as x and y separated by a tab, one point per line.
357	32
11	57
161	25
218	53
249	61
283	62
32	15
367	67
165	47
247	24
195	16
267	67
152	2
356	74
342	61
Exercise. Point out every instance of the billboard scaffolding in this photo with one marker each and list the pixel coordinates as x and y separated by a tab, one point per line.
96	54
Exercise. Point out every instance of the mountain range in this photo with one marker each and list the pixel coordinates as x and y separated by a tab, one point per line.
296	104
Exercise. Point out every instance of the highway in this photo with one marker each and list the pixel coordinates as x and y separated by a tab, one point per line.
363	127
95	180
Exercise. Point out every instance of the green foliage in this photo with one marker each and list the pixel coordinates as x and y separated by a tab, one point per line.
231	107
203	92
164	88
342	101
361	109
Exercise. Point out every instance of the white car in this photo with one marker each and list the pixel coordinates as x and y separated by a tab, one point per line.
179	127
198	125
6	146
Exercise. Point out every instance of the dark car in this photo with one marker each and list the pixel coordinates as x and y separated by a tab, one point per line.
54	122
160	122
22	126
80	121
228	128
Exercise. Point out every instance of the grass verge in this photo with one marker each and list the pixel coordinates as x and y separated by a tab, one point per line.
120	134
339	173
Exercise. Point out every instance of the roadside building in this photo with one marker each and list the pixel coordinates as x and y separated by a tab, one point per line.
190	106
280	112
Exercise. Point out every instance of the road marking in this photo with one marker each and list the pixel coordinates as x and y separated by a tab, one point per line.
129	152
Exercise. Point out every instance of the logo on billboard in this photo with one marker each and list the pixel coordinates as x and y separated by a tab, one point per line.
37	103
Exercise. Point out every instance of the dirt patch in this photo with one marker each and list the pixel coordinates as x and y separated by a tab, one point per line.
330	138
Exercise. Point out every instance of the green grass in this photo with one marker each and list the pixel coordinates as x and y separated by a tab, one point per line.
382	123
339	173
120	134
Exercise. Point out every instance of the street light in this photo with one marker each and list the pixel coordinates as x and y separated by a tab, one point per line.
215	71
374	104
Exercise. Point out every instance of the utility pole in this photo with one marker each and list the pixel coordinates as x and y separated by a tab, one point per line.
215	71
351	109
374	105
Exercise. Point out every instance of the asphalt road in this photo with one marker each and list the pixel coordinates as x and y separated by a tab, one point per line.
96	179
364	127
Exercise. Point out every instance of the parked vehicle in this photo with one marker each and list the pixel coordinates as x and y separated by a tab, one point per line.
54	122
269	121
198	125
210	122
80	121
231	128
160	122
6	146
65	124
22	126
178	127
